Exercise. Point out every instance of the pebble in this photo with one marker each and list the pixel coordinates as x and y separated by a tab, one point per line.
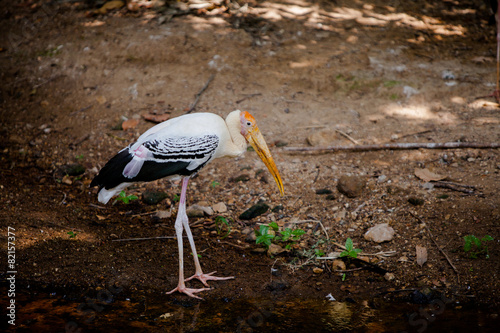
74	169
324	191
338	264
274	249
153	197
351	186
389	276
416	201
199	211
219	207
322	138
380	233
254	211
163	214
317	270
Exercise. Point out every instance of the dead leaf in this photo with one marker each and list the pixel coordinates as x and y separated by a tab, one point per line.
427	175
108	6
100	218
421	254
156	118
131	123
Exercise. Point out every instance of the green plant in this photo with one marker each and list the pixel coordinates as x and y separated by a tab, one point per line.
125	198
480	245
214	184
176	198
350	251
344	277
319	253
288	235
263	237
72	234
220	222
79	157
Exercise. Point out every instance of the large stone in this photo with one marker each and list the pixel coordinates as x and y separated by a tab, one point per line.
351	186
380	233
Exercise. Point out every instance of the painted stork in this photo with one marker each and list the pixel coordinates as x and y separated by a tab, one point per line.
179	148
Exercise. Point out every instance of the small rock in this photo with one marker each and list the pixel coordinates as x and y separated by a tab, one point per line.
447	75
153	197
163	214
409	91
254	211
380	233
351	186
199	211
131	123
323	191
219	208
274	250
277	209
74	169
67	180
278	285
251	236
416	201
322	138
389	276
338	264
280	143
381	179
241	178
317	270
330	197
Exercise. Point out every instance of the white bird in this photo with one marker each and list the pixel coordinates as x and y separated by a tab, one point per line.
179	148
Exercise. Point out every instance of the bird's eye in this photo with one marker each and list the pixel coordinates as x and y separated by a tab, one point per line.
249	123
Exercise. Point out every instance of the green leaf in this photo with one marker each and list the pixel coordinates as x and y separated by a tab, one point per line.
349	245
487	238
274	225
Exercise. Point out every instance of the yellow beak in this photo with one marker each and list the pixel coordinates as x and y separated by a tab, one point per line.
256	140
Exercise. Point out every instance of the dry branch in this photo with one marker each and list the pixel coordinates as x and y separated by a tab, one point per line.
437	245
198	95
397	146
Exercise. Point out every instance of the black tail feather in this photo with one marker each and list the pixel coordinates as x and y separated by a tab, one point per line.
111	175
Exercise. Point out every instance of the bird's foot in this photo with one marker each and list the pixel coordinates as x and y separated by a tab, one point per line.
188	291
206	277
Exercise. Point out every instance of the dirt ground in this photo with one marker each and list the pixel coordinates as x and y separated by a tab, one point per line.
378	71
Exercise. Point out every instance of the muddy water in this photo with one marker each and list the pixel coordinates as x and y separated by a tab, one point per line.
108	310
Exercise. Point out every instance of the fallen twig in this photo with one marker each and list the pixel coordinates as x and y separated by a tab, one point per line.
236	246
397	146
455	187
198	95
347	136
435	243
247	97
314	221
81	110
141	239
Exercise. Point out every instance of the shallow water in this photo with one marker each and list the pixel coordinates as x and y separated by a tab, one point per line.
109	310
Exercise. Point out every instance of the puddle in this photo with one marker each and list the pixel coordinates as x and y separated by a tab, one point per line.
100	311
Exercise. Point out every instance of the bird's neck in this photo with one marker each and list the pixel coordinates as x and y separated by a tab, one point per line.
233	123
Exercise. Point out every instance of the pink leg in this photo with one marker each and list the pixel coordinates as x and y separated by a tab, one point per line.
199	273
180	222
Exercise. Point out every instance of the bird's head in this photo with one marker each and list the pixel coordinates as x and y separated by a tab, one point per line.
254	137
